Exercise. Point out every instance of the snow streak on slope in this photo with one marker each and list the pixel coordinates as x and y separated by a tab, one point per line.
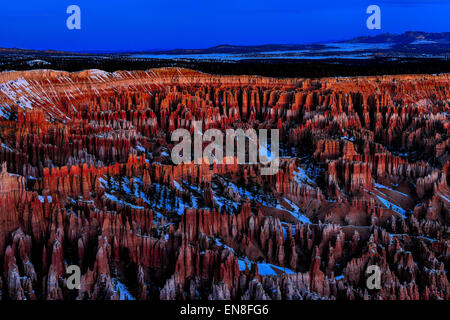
56	93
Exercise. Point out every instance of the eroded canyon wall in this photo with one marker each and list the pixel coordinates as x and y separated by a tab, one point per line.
87	180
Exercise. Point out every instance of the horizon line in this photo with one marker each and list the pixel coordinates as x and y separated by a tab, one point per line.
107	51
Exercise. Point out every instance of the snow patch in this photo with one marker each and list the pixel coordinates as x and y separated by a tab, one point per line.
122	290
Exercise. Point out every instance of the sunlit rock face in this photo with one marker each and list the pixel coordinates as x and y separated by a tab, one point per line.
87	180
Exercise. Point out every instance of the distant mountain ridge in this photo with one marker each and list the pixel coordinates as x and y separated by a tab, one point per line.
227	48
433	41
407	37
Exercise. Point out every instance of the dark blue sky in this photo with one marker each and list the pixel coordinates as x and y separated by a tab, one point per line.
118	25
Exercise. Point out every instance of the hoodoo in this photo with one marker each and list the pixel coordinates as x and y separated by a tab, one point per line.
87	179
